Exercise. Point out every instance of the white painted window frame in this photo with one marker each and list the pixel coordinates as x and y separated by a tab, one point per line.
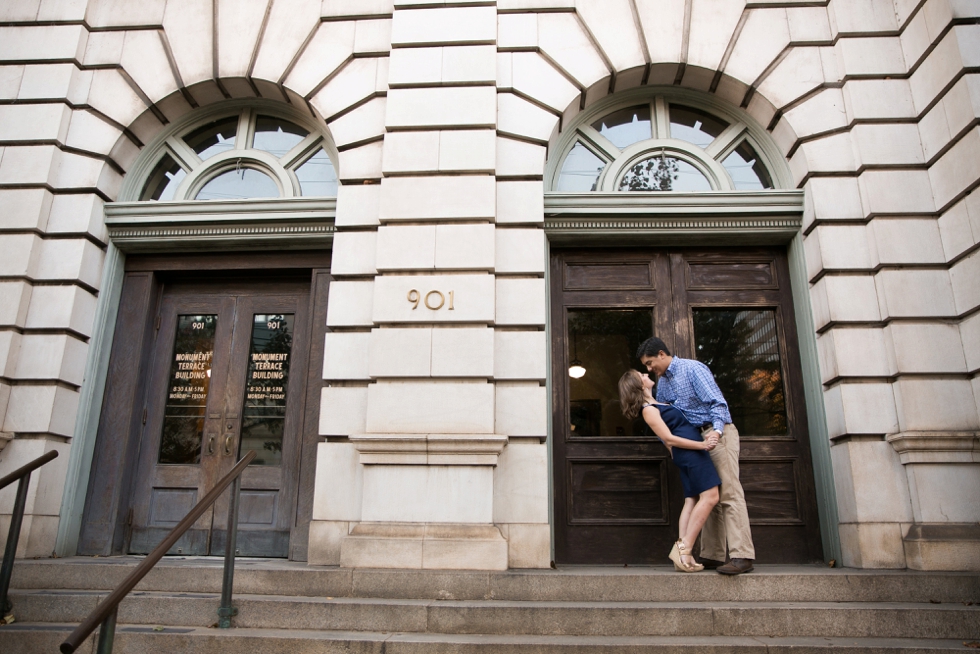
707	160
198	173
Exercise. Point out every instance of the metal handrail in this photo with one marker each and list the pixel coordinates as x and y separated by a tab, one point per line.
105	612
23	475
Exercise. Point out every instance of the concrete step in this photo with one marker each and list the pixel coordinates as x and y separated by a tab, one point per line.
24	638
542	618
634	584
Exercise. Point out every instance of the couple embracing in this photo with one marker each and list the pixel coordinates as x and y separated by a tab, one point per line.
707	458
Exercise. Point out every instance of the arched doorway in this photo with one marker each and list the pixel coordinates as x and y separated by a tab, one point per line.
222	243
667	219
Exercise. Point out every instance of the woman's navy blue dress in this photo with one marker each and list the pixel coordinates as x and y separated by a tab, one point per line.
698	473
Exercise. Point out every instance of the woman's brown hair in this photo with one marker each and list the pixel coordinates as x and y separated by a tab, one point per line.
631	394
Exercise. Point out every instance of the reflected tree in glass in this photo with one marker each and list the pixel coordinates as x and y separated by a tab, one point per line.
663	173
742	349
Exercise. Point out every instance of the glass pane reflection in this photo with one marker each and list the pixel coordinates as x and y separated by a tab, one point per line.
742	349
213	138
187	391
276	136
694	126
626	126
605	342
581	170
663	173
317	176
746	170
264	413
239	184
164	180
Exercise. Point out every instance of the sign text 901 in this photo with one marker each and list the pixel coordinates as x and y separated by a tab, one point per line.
433	300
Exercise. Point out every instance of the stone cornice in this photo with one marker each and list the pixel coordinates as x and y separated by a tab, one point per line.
702	218
231	224
936	446
635	204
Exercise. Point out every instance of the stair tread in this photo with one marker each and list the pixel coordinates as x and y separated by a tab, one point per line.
731	641
283	565
510	603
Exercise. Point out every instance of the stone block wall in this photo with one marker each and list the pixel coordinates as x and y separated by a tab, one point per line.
442	114
57	168
446	274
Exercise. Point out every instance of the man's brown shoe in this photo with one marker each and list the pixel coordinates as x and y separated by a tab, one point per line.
711	564
735	567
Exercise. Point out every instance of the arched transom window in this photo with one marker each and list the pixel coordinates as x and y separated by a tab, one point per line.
247	153
661	144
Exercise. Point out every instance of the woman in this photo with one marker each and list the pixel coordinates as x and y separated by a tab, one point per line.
689	453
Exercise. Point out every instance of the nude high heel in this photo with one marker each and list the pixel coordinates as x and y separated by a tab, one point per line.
676	552
675	556
684	551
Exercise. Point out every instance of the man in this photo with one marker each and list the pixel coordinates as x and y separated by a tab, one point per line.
690	386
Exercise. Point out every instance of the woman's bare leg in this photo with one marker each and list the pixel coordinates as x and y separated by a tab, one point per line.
685	518
690	525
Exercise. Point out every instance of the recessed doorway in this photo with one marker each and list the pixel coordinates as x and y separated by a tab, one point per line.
211	359
617	498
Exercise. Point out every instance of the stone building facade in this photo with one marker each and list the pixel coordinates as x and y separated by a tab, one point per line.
448	204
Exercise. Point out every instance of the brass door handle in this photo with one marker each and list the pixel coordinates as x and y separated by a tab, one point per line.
228	439
210	444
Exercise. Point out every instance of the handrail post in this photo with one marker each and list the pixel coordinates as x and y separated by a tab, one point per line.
110	604
226	610
107	633
16	519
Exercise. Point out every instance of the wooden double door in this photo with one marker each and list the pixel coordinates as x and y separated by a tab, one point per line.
225	376
617	496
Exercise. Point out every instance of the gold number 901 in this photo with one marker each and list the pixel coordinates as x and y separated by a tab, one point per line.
415	297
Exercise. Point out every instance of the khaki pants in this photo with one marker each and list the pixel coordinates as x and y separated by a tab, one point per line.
729	520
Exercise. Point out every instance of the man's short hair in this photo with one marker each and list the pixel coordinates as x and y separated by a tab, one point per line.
651	348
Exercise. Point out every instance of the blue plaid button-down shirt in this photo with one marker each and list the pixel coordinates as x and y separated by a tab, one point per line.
690	386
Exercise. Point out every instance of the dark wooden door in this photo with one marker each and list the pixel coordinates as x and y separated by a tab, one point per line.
617	496
220	386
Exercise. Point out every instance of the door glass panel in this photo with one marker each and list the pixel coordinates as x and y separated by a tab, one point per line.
187	392
264	413
603	342
742	349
